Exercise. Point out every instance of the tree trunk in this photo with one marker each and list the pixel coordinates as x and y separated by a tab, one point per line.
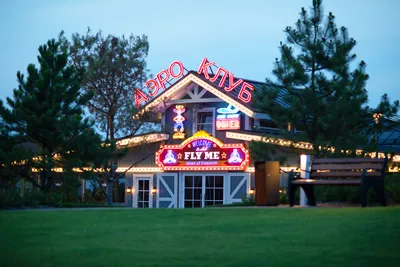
111	175
110	184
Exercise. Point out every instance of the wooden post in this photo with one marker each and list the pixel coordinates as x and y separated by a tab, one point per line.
305	164
267	183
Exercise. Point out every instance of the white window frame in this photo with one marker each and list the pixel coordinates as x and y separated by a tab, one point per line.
209	109
135	188
203	174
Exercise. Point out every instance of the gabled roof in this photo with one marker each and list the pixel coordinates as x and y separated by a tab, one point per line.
257	87
213	87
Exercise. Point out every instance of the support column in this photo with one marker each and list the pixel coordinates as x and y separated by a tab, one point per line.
305	163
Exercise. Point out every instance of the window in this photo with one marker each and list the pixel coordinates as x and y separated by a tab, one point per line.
205	121
267	124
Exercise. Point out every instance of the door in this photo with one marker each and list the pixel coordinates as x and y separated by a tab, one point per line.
167	184
203	190
238	186
142	197
193	191
214	190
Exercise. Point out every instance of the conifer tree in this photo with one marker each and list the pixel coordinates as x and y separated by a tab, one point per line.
47	110
316	88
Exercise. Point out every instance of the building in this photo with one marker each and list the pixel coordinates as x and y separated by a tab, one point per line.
201	156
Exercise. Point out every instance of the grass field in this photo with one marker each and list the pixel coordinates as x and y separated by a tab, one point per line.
202	237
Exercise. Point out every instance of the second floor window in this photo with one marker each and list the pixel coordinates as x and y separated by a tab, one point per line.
205	122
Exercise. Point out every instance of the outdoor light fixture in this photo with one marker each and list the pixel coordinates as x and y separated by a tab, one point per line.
129	189
154	190
252	192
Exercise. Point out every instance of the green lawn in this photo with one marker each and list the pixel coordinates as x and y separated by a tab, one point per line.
202	237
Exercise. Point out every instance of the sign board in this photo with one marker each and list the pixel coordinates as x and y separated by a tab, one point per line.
176	70
203	152
228	118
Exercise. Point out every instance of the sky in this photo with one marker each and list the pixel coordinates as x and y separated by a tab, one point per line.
240	35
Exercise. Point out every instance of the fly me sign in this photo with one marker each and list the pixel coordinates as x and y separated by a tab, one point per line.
203	152
227	81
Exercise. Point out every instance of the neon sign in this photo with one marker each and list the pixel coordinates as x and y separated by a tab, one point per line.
203	152
176	70
179	119
244	93
228	119
159	81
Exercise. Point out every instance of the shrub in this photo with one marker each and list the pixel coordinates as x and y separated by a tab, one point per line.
283	197
248	200
96	196
56	199
17	198
392	187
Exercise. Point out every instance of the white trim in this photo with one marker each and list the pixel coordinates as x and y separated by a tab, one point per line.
238	187
245	179
222	95
189	101
135	178
203	186
202	93
140	169
189	93
174	194
181	190
196	89
166	186
192	78
137	140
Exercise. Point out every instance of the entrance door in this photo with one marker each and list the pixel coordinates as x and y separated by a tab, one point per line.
214	190
143	194
203	190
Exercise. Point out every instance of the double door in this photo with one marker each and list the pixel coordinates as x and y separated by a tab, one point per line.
203	190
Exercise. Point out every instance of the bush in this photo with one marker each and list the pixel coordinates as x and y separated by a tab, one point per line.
248	200
16	198
96	196
56	199
283	197
392	187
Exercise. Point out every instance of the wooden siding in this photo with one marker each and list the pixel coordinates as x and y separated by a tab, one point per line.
143	155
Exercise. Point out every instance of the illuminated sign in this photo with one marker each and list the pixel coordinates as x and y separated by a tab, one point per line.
228	119
179	119
203	152
159	81
176	71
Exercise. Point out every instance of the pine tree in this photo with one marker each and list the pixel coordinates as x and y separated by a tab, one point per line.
316	89
47	110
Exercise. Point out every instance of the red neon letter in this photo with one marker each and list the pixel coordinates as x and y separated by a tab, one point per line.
162	80
203	67
223	78
140	97
232	85
153	87
171	69
243	91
